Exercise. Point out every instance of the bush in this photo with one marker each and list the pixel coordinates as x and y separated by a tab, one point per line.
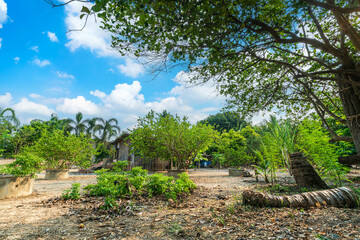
73	193
26	164
115	184
60	150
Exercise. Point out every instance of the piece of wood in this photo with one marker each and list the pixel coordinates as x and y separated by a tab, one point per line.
304	173
337	197
350	160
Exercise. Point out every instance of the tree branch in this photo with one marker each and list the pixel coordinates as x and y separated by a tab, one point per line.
332	7
51	2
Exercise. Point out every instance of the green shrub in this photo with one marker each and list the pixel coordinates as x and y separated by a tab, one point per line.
59	150
138	171
108	183
184	184
110	203
26	164
120	166
137	182
73	193
115	184
158	184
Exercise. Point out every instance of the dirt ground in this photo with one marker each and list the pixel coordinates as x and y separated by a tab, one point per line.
211	212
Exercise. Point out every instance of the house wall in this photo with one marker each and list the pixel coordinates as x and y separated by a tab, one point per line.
123	154
123	151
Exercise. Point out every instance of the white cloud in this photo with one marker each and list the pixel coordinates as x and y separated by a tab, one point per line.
3	12
52	36
98	94
261	117
5	100
40	63
91	37
27	107
64	75
124	96
35	48
127	101
34	95
79	104
131	69
200	94
16	59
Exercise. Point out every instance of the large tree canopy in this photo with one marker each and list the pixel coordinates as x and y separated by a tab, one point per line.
289	54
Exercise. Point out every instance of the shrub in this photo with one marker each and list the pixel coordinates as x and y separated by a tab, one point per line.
26	164
72	193
115	184
169	137
60	150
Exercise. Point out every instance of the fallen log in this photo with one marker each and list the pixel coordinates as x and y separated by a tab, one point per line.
337	197
350	160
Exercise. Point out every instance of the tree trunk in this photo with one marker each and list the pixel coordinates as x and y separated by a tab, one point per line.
304	174
350	99
337	197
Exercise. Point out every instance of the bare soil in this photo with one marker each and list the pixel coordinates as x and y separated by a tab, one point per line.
213	211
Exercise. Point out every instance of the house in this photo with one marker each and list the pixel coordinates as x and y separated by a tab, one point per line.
122	147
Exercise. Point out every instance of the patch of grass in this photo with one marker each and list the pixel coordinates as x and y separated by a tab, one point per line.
175	228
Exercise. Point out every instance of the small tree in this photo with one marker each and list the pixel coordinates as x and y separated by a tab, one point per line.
60	151
232	146
170	138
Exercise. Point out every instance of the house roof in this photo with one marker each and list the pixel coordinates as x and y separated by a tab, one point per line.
120	138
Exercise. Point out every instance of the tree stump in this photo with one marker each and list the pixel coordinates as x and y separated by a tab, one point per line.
304	174
337	197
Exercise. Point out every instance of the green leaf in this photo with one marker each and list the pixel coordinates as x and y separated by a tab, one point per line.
85	10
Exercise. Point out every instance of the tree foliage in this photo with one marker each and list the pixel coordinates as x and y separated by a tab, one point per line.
170	138
106	129
313	141
78	125
225	121
60	151
294	55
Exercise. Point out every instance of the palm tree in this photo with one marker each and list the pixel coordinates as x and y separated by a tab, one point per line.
91	126
284	134
107	129
77	125
10	118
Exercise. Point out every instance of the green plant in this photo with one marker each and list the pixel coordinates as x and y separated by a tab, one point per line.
169	137
138	171
110	203
72	193
283	135
313	141
121	184
26	164
60	150
159	184
263	166
120	166
175	228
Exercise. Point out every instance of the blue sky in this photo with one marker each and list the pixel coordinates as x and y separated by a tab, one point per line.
46	69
